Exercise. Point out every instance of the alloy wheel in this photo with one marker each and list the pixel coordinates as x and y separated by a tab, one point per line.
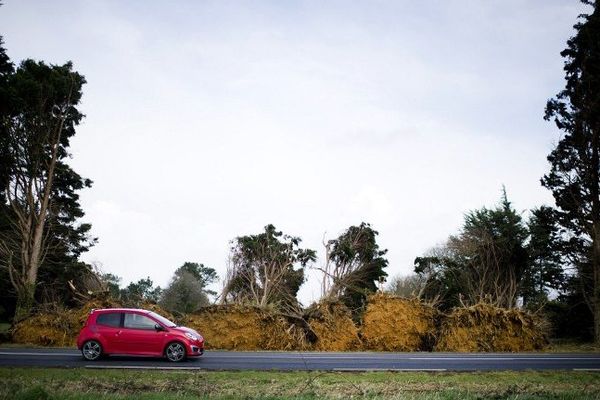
175	352
91	350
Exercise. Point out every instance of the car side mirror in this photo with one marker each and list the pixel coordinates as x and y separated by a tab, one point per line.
159	328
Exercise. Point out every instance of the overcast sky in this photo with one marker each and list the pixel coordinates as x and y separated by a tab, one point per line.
208	120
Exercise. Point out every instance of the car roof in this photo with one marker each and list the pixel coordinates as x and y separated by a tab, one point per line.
137	310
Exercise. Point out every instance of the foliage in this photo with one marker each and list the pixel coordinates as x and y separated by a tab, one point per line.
112	283
141	291
408	286
185	294
575	161
187	291
545	269
486	260
354	266
204	275
267	268
569	315
40	236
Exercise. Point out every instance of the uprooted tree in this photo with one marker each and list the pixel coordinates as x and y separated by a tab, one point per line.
485	261
267	268
39	199
354	264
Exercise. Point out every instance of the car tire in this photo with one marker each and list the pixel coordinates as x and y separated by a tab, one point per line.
175	352
91	350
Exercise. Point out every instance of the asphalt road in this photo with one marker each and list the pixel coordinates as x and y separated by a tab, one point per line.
302	361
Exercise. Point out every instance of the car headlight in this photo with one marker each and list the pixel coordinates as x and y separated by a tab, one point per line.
191	336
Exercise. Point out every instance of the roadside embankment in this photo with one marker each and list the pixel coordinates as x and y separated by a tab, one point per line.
387	323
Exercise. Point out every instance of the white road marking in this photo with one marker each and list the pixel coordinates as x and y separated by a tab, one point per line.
507	358
357	357
10	353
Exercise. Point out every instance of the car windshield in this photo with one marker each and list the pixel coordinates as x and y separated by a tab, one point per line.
163	320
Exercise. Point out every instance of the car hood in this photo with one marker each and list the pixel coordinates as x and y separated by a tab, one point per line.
184	329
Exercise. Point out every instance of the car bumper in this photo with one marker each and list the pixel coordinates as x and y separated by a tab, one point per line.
194	349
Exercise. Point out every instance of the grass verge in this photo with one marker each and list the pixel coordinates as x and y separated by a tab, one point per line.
570	346
20	383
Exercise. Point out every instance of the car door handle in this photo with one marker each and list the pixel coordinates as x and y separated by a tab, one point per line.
118	333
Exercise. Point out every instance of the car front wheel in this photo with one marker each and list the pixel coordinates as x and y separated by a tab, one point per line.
91	350
175	352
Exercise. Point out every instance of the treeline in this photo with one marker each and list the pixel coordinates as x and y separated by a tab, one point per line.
547	260
501	258
267	270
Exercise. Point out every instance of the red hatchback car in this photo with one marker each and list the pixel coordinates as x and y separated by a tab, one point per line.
127	331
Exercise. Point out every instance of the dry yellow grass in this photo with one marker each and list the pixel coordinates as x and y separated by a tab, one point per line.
397	324
483	327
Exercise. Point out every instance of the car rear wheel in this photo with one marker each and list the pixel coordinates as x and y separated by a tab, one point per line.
175	352
91	350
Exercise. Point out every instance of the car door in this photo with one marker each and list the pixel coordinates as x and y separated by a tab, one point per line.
108	326
139	335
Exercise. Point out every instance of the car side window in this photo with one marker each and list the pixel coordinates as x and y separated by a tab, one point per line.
138	321
109	319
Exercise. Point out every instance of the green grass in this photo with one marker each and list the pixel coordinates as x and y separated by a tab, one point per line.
130	384
571	346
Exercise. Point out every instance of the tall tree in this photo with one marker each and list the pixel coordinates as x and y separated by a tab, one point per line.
267	268
141	291
354	264
37	127
203	274
185	293
6	70
545	269
574	176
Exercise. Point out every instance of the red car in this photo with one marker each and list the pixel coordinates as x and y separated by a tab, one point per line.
127	331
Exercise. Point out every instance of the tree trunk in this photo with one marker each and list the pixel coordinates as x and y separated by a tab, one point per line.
25	301
595	192
596	282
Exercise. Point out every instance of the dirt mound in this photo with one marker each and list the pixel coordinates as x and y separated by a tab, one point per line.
55	326
484	327
238	327
332	324
397	324
50	328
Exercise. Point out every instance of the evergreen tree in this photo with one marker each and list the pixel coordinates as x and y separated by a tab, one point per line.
486	260
204	275
185	293
545	269
41	238
141	291
574	176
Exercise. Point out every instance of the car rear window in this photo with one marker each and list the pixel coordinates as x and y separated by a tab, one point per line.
109	319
